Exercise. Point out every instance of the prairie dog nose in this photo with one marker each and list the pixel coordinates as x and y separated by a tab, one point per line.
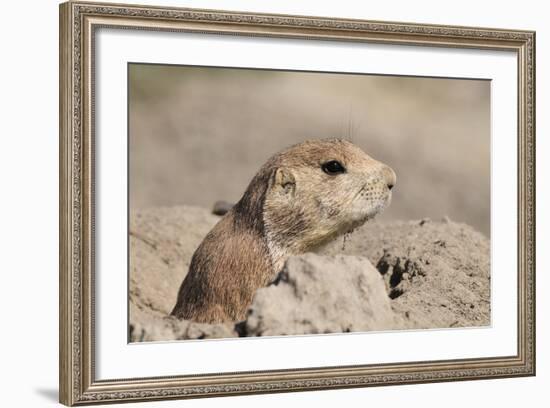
389	176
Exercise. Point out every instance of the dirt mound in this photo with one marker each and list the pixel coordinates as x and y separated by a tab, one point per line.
322	294
434	274
162	242
437	273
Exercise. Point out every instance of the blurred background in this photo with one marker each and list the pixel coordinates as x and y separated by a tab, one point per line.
198	135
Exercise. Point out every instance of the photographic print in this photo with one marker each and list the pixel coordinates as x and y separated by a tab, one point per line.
269	202
253	203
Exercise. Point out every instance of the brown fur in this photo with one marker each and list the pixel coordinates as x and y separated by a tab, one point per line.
291	206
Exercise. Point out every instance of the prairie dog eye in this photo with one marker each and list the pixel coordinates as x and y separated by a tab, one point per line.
333	167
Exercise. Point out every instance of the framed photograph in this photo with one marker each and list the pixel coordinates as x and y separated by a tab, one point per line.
256	203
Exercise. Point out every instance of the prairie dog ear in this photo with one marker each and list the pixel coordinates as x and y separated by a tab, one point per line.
283	181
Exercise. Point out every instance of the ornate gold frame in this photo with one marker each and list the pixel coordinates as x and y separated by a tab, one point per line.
78	22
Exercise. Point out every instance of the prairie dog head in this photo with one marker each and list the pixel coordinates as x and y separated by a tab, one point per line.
320	189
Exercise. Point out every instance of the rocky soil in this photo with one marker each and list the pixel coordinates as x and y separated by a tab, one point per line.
383	276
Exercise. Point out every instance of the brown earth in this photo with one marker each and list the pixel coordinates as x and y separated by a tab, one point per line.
383	276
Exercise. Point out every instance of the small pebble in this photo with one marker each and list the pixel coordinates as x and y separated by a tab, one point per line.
441	243
221	207
424	221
